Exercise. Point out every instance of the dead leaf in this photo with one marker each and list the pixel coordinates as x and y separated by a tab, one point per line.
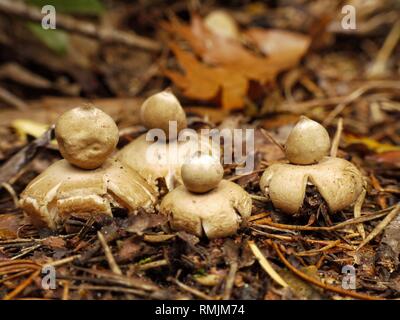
9	225
54	242
205	83
390	157
284	47
228	65
144	221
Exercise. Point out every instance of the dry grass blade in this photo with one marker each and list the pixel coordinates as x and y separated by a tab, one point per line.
266	265
379	228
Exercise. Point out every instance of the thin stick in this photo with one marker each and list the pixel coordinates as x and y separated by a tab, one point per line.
62	261
22	286
380	63
330	228
12	100
230	280
336	139
191	290
302	107
153	264
266	265
110	258
325	286
314	252
270	138
379	228
85	28
357	212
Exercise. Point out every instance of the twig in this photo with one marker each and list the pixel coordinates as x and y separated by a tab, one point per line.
302	107
153	264
25	251
364	218
325	286
22	286
85	28
65	295
266	134
62	261
110	258
379	228
317	251
336	139
230	280
266	265
357	212
12	100
191	290
24	156
380	64
12	193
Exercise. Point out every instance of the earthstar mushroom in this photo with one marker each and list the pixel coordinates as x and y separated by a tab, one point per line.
338	181
215	213
64	189
162	158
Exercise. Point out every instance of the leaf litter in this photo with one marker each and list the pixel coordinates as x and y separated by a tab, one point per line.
278	69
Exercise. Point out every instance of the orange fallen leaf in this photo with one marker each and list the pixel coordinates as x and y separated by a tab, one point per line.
204	82
228	58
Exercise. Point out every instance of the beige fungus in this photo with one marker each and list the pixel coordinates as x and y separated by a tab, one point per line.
217	213
201	173
86	136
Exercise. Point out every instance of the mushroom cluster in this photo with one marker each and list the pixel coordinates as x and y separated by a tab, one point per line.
206	204
88	180
338	181
161	151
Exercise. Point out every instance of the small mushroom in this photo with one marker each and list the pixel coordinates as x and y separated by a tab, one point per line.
338	181
86	136
222	24
159	109
201	173
64	188
163	159
217	212
307	143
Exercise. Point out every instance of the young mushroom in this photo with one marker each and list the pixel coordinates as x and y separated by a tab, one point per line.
163	157
214	207
159	109
69	187
338	181
86	136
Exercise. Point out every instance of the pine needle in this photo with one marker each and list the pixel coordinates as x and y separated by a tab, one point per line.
266	265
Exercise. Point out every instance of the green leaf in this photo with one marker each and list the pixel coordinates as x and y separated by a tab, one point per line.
89	7
56	40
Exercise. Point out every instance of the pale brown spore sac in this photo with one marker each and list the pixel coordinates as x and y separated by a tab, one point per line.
201	173
160	109
86	136
307	143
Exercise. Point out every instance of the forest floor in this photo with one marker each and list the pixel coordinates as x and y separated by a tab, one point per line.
114	54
